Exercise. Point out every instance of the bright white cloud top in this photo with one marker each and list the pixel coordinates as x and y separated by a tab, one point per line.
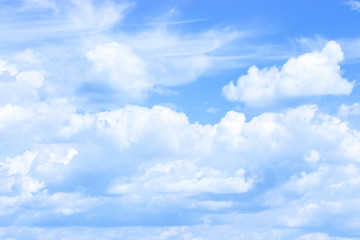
115	122
316	73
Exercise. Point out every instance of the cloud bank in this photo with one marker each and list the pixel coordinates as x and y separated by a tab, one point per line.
81	159
144	162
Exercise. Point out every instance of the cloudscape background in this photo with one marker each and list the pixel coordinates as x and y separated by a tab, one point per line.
179	119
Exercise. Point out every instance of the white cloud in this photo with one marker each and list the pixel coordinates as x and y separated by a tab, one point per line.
29	172
161	42
346	110
175	59
197	232
63	165
316	73
314	236
40	4
184	177
133	126
30	79
354	5
11	115
20	86
312	156
126	70
5	67
130	124
212	110
209	170
27	178
233	156
319	198
269	141
129	66
86	14
138	65
28	58
67	203
19	165
65	19
215	205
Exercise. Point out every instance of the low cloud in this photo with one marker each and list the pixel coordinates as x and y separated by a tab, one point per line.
255	166
136	66
316	73
184	177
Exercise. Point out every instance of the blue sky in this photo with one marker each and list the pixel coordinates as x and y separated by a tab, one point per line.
179	119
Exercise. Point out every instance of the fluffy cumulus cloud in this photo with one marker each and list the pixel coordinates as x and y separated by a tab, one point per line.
126	70
185	177
152	163
123	67
73	166
316	73
27	180
136	66
19	86
147	162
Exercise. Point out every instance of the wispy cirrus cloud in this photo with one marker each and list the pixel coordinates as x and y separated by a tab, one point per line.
136	65
54	19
